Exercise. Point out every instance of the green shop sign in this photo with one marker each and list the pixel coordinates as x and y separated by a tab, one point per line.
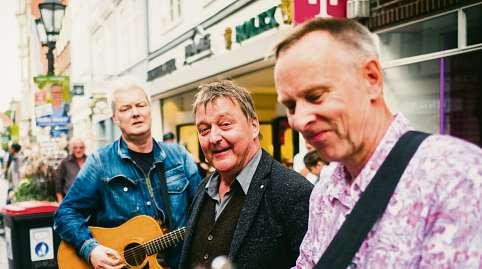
257	25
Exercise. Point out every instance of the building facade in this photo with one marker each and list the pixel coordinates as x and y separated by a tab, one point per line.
108	39
194	43
430	54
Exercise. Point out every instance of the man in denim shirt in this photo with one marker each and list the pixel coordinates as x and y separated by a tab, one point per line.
123	180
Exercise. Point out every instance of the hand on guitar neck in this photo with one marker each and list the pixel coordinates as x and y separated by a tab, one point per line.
133	244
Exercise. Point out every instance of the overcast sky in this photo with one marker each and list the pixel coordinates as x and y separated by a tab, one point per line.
9	61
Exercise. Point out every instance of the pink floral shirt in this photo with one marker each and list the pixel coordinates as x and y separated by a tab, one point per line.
433	219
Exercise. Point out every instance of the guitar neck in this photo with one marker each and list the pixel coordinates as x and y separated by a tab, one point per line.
163	242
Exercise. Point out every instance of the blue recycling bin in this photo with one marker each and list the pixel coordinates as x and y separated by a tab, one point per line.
29	235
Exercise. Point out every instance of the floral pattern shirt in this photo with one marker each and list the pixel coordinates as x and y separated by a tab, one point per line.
433	219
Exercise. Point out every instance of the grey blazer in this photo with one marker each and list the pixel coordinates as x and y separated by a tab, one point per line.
272	222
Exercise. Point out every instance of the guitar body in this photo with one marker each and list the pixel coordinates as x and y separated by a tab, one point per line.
133	232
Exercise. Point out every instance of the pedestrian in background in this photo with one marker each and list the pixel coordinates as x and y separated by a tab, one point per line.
169	138
69	167
299	165
314	164
14	164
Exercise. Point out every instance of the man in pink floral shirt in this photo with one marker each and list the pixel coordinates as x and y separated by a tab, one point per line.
329	77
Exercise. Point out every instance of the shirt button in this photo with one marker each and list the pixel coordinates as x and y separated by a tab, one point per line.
206	256
126	189
148	203
210	237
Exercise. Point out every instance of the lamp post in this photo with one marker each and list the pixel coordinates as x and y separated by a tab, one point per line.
48	28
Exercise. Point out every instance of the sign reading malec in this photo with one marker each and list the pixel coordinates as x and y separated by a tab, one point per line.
162	70
256	25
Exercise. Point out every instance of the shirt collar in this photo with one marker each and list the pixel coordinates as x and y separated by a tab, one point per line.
158	154
348	194
244	177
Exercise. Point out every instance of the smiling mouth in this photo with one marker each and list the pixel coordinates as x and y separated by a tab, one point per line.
217	151
316	136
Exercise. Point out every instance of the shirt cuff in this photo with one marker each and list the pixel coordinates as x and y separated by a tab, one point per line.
87	248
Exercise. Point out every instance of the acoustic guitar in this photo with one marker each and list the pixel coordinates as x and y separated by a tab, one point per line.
138	240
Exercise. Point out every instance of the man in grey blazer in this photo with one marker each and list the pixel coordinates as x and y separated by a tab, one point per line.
252	209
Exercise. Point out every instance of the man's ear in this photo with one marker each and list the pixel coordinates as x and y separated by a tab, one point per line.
115	120
372	74
255	125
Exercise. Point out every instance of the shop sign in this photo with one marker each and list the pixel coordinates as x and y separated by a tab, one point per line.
100	109
78	89
228	41
307	9
257	25
200	47
162	70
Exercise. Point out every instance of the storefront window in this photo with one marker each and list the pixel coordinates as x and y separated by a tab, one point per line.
474	24
420	38
441	95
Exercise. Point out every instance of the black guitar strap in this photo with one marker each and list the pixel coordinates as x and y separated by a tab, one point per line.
165	197
371	205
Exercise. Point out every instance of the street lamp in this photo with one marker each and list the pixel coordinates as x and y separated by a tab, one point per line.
48	27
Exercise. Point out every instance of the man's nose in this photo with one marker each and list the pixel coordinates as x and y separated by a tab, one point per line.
135	112
301	118
215	135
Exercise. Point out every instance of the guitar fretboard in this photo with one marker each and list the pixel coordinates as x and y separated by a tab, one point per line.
163	242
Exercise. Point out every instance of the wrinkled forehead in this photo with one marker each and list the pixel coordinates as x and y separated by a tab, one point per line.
218	103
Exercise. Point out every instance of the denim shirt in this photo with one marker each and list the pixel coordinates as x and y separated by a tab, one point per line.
110	189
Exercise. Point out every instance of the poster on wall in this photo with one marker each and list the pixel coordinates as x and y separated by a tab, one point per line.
52	104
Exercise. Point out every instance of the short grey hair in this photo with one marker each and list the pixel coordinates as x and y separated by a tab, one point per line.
349	32
208	93
74	140
124	83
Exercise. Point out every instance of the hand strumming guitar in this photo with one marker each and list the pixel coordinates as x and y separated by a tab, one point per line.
105	258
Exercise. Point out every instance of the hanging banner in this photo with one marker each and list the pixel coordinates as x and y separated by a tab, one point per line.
52	104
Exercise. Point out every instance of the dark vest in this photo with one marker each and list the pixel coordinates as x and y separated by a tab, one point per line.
210	238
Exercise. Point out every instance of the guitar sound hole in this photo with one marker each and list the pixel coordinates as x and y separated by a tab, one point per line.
134	254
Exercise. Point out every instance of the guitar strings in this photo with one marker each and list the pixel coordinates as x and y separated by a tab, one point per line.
165	240
168	239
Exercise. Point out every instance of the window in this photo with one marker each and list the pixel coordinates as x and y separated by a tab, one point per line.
175	10
441	95
474	24
428	36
